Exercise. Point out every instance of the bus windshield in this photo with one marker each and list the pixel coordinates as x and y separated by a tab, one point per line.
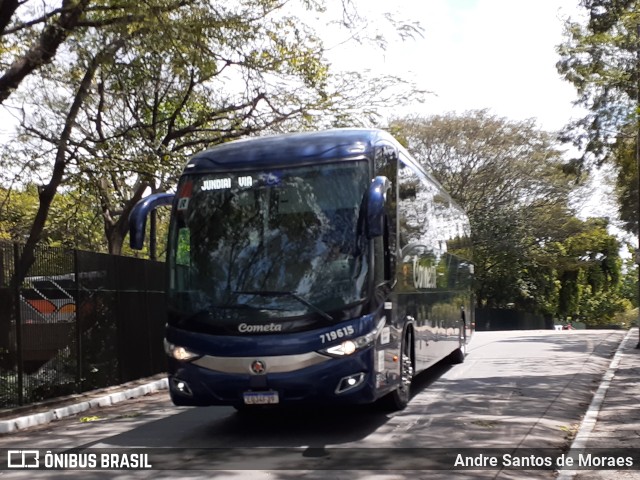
268	245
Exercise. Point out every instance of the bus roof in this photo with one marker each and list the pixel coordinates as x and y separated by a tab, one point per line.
289	148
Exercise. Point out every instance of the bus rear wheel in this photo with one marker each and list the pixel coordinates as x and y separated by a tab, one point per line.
458	355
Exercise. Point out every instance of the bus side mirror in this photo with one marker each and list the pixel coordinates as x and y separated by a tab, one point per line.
377	196
138	216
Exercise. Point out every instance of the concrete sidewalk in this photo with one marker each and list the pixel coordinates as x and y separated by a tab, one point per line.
613	419
12	420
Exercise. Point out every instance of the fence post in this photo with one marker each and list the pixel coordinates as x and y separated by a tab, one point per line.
19	353
76	274
153	233
2	282
120	330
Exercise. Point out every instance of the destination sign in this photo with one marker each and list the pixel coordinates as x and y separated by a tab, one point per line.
244	181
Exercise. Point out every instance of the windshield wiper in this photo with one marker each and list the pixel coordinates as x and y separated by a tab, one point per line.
271	293
237	307
207	311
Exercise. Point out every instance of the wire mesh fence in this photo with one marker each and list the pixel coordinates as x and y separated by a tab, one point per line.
78	321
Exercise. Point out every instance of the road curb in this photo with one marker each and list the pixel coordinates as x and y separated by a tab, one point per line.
591	416
27	421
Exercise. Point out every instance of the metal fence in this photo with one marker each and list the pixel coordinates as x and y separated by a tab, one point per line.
508	319
79	321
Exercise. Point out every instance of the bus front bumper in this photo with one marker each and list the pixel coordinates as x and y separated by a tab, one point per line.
345	380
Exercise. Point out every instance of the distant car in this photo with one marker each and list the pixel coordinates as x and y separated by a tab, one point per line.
568	326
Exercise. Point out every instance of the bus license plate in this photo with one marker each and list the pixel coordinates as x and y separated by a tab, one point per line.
261	398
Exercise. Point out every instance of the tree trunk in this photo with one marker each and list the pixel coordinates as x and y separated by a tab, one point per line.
45	47
116	230
48	192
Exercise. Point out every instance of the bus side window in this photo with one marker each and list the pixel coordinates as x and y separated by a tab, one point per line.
386	164
417	260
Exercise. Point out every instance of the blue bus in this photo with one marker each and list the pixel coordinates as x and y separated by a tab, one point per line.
310	268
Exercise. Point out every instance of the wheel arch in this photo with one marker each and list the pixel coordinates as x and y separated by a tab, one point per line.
409	334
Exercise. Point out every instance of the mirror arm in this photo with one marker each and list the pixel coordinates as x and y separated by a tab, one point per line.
139	213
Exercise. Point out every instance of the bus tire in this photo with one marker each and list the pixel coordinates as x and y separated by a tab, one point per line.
253	410
244	410
457	356
399	398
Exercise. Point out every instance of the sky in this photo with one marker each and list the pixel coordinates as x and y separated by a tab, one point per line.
498	55
474	54
495	54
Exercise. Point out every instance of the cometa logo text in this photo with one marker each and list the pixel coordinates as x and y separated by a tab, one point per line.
271	327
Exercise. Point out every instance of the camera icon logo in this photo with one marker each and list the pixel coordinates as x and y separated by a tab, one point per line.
23	459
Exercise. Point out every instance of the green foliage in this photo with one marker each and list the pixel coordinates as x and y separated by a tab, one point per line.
17	209
488	161
70	223
626	319
629	284
592	276
623	156
530	251
599	59
141	86
508	177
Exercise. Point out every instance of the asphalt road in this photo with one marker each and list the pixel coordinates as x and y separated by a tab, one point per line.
516	391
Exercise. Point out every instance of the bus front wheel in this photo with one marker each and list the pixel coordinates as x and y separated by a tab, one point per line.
399	398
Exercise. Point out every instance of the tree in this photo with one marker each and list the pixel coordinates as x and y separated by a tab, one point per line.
41	34
68	224
486	161
629	284
600	60
18	207
591	274
113	96
139	89
623	156
509	176
530	250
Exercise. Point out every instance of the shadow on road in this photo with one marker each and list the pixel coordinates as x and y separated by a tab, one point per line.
569	341
214	427
529	391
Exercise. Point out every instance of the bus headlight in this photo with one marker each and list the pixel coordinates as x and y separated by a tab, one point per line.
179	353
349	347
345	348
